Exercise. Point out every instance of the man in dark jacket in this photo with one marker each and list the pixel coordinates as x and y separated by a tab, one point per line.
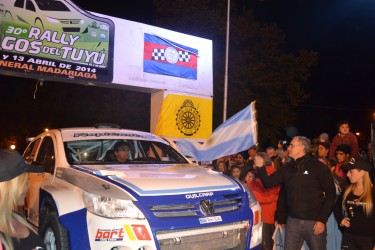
310	195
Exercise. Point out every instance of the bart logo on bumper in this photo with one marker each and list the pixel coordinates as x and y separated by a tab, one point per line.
109	234
133	232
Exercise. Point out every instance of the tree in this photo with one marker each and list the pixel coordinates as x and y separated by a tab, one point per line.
258	68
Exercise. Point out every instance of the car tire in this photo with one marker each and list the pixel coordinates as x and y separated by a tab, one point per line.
8	16
55	236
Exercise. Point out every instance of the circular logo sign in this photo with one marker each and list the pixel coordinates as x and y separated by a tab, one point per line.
171	55
188	119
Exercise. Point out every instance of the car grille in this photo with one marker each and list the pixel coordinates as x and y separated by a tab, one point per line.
228	204
229	236
65	29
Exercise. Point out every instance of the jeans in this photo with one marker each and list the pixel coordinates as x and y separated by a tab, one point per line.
267	232
296	231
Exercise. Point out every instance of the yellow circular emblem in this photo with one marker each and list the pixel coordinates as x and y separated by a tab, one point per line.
188	119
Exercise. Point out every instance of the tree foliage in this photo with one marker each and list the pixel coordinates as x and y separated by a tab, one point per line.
258	67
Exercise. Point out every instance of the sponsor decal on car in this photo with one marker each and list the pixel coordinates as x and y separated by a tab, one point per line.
210	219
128	232
109	234
199	195
110	134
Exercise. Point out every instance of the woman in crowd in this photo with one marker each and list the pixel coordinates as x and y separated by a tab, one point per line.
235	173
354	209
221	167
267	198
15	232
323	151
229	161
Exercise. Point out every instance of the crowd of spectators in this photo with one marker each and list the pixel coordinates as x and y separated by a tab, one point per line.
304	181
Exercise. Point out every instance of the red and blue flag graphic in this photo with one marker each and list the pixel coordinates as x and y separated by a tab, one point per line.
164	57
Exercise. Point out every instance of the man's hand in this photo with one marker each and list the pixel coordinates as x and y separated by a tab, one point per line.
318	227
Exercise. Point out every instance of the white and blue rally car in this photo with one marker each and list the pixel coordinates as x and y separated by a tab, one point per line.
156	200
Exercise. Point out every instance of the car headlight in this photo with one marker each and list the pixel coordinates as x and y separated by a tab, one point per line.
52	20
252	199
110	207
250	195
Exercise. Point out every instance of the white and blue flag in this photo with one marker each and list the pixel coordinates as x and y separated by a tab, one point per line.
236	134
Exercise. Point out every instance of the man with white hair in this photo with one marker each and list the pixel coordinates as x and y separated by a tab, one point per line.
310	195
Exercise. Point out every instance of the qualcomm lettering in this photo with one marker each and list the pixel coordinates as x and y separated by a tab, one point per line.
199	195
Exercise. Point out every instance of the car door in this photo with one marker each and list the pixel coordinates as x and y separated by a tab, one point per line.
45	157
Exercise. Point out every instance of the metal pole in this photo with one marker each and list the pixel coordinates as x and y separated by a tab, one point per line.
372	149
226	66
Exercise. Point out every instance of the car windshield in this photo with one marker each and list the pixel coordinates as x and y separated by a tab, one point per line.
51	5
119	151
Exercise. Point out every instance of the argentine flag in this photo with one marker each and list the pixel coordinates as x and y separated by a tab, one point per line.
236	134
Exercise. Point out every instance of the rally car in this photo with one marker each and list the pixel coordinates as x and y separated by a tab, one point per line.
157	199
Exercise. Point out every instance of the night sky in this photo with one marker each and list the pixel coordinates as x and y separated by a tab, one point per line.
341	31
342	85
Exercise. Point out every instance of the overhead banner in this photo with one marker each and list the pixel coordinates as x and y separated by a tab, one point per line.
185	117
56	39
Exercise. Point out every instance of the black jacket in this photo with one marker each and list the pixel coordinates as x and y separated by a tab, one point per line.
360	224
309	186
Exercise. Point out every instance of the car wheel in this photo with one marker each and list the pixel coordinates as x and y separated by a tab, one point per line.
8	16
55	236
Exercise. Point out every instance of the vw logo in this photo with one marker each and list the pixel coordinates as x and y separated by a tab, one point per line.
206	207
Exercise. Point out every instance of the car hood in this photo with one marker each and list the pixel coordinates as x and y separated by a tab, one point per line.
163	179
